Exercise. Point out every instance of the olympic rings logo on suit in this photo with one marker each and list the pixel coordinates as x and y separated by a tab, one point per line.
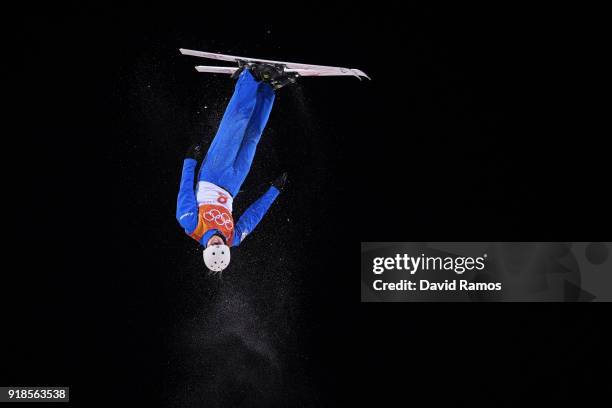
221	219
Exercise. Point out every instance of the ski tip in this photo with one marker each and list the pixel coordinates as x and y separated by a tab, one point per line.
359	73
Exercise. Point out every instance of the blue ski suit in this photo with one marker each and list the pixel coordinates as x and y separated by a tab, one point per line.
225	167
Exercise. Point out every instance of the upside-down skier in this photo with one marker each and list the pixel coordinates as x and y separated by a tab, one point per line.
206	213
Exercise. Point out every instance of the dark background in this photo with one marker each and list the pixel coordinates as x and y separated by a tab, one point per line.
479	124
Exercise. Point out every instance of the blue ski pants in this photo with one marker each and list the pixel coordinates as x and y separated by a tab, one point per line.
231	153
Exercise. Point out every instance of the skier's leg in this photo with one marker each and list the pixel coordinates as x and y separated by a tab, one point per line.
244	158
234	125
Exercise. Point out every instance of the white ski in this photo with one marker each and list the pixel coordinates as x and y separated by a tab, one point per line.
298	68
300	72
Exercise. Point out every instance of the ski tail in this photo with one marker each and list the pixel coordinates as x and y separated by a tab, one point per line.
216	70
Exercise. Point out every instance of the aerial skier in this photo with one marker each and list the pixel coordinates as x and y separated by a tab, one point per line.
206	213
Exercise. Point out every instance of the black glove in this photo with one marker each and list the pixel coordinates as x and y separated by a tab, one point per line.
195	151
280	182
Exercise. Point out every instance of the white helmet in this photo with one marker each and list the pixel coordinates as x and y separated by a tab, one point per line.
216	257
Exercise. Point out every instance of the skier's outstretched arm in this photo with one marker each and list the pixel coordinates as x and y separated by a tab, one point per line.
253	215
186	205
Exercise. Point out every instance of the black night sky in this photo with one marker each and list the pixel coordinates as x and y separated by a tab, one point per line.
478	124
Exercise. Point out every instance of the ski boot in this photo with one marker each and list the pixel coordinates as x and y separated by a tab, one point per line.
274	75
241	67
